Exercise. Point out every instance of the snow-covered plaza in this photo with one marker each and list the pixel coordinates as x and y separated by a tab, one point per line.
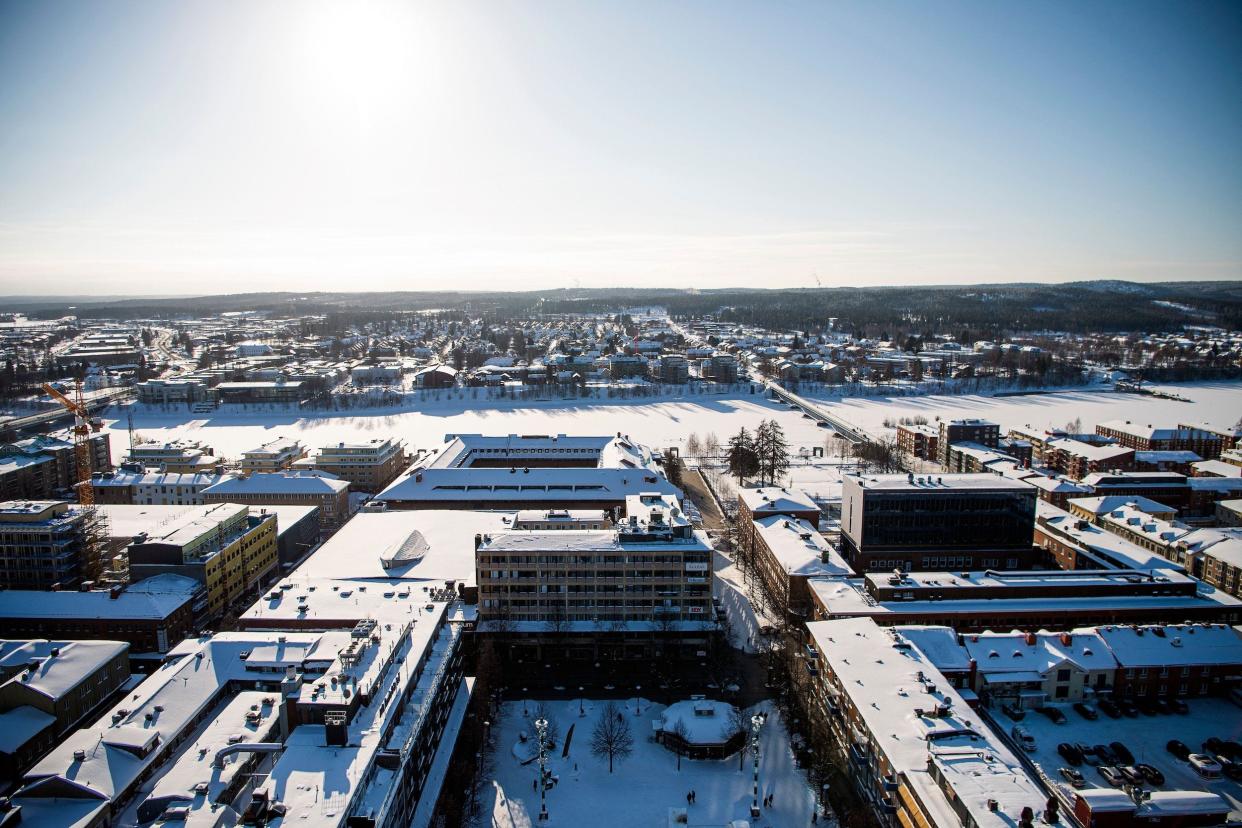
645	788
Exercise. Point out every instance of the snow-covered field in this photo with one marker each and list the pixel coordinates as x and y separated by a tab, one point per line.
662	423
644	786
655	423
1217	402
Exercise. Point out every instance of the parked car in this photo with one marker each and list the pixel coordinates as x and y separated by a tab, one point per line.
1232	749
1110	709
1122	752
1204	765
1179	706
1127	708
1088	754
1163	706
1073	777
1147	707
1131	774
1086	711
1106	755
1015	713
1111	775
1232	770
1070	753
1150	773
1178	748
1213	744
1052	713
1023	737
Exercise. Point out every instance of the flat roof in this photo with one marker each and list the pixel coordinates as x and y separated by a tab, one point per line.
135	602
776	499
936	483
261	483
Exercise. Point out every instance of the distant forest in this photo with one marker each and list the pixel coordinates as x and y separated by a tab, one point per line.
869	311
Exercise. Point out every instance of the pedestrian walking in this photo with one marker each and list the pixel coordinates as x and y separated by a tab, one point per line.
689	798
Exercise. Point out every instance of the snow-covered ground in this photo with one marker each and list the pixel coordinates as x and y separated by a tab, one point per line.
644	786
1218	402
664	422
658	423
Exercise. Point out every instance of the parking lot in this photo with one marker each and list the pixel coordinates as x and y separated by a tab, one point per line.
1146	737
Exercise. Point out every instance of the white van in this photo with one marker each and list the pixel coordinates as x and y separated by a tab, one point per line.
1023	737
1204	765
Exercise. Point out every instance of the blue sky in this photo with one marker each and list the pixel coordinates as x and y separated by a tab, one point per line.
248	144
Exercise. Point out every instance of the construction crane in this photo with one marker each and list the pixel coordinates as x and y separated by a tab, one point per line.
83	425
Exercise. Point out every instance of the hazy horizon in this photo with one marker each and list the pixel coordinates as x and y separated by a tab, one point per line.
206	148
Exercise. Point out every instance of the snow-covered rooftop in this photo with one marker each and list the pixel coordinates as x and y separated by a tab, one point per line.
912	715
141	600
262	483
57	666
773	500
938	482
1100	545
800	548
1173	644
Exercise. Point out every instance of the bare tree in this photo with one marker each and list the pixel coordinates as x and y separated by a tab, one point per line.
682	734
612	737
711	445
737	723
693	447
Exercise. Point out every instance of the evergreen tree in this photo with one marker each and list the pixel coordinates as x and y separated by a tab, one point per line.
772	451
743	460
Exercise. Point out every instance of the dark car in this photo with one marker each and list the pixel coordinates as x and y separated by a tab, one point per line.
1212	744
1122	752
1178	748
1013	712
1150	773
1052	713
1088	755
1111	775
1106	755
1070	753
1128	708
1111	710
1131	774
1086	711
1163	706
1147	707
1232	749
1073	777
1179	706
1232	770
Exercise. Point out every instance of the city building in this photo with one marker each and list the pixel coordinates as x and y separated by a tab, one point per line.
1146	437
671	369
1077	543
47	688
1174	659
179	457
150	615
919	441
51	544
908	741
346	727
957	522
597	590
368	467
274	455
786	552
154	488
314	488
473	471
982	432
224	546
1043	599
719	368
1076	459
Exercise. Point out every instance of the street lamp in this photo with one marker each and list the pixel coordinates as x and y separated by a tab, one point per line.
756	723
541	728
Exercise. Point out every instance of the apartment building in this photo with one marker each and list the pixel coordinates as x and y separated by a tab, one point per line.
50	544
179	457
154	488
47	688
652	568
41	467
314	488
788	551
368	467
969	430
908	742
1077	459
919	441
1148	437
224	546
272	456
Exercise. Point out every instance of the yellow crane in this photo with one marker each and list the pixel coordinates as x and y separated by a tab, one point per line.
83	425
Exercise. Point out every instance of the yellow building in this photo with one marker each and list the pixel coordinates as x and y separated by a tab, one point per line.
225	546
